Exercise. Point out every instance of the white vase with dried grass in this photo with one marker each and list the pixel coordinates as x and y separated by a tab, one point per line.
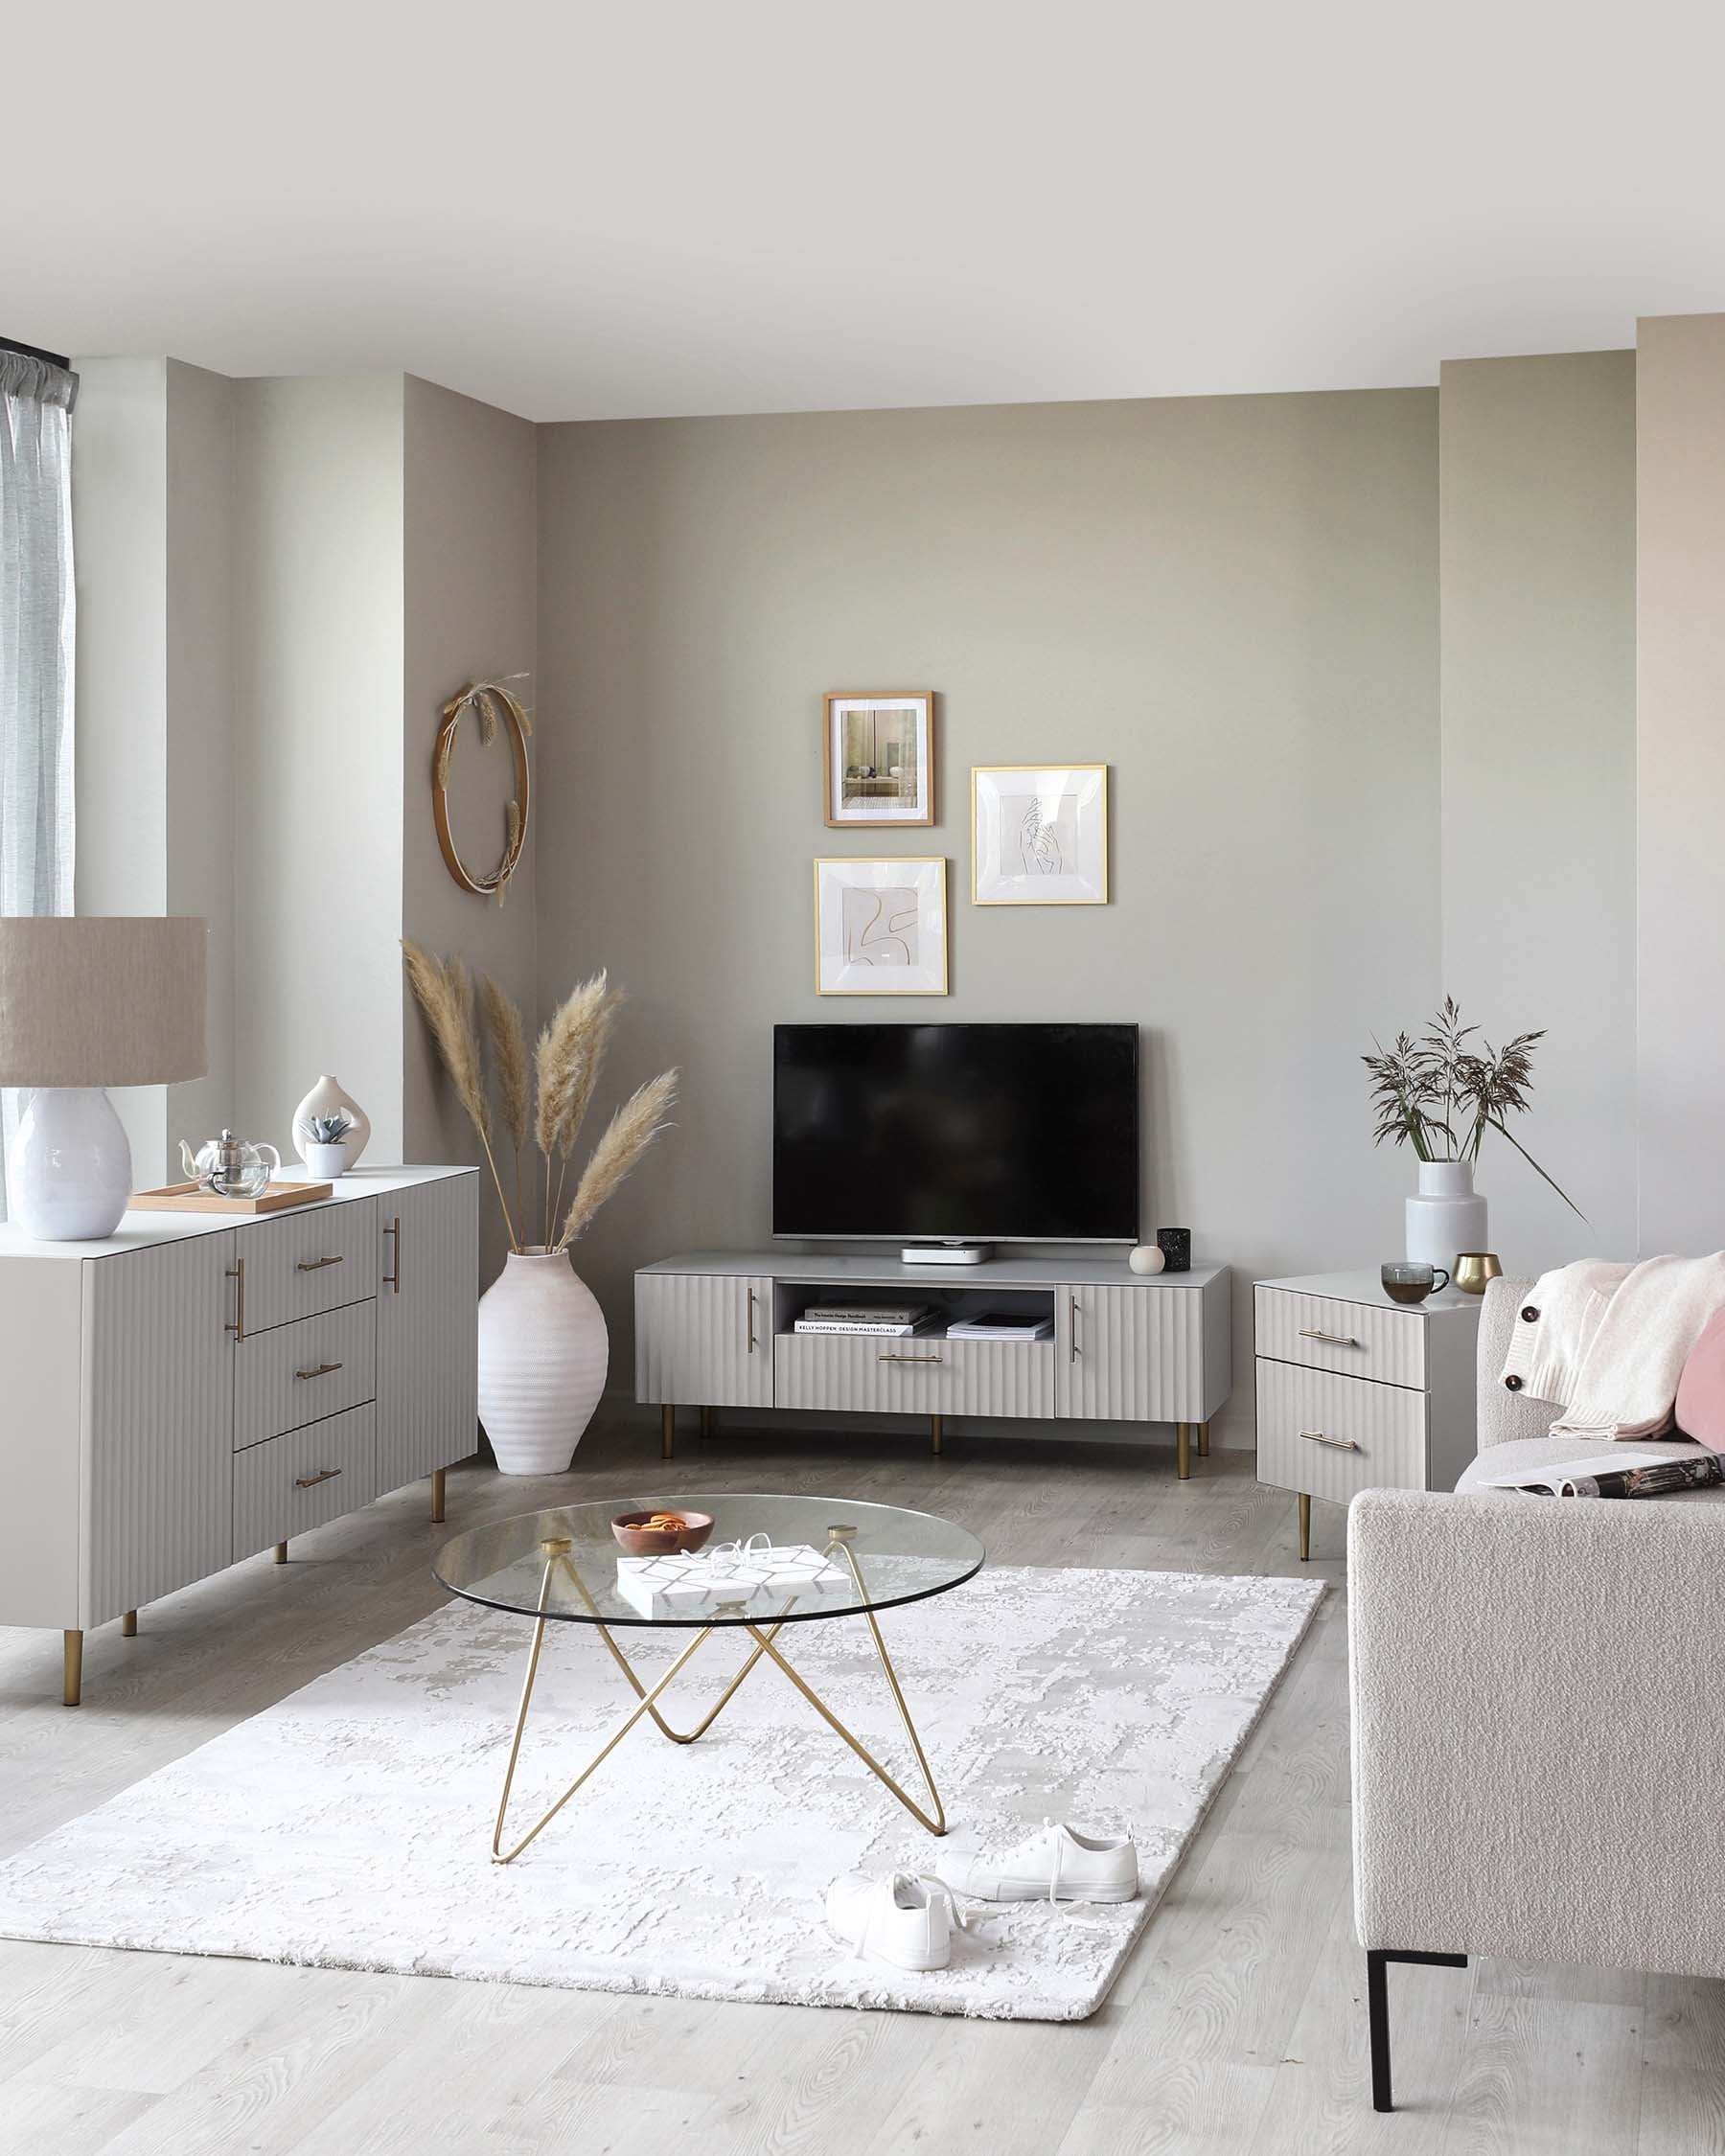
544	1348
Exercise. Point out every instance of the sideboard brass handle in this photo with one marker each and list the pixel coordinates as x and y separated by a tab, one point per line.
237	1273
913	1357
393	1279
315	1264
752	1324
1329	1339
323	1369
1336	1444
1073	1357
310	1481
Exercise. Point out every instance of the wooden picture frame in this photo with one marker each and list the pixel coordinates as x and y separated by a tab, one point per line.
878	759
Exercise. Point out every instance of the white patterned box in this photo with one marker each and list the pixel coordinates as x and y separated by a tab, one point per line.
763	1580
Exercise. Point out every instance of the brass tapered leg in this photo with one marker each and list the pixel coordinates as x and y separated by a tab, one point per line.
73	1691
708	1421
1203	1441
937	1431
1305	1528
280	1552
667	1432
1184	1440
437	1497
128	1625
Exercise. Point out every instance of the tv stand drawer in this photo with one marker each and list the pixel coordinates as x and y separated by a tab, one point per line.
872	1374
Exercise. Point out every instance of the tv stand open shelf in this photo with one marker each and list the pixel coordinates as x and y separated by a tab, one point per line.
713	1329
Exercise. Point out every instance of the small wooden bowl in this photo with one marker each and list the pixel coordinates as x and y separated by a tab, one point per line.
637	1540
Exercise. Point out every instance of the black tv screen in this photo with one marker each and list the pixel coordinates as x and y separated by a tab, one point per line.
949	1133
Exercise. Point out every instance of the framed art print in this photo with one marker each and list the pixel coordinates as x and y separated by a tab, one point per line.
881	928
879	758
1039	835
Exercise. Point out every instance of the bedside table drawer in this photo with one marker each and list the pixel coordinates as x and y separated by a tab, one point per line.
1352	1339
1332	1436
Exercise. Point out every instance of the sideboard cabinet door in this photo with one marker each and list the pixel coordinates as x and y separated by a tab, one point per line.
159	1384
427	1327
1130	1354
703	1340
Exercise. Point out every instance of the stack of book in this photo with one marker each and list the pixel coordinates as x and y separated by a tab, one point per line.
1001	1324
888	1320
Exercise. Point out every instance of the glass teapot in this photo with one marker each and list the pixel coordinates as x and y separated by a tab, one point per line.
232	1168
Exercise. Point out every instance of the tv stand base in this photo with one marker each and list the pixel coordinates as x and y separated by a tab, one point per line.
946	1253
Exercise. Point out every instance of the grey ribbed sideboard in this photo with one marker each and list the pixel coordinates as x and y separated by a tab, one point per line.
713	1329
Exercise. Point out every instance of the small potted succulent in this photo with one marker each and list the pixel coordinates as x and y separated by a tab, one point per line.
326	1146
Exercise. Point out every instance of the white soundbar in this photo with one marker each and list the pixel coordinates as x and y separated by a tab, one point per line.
946	1253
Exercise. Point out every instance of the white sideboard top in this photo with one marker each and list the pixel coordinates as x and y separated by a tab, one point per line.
1366	1287
139	1230
825	1271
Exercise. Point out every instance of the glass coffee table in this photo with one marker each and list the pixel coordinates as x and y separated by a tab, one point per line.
560	1566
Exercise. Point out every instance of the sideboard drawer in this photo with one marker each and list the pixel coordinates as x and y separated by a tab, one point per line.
308	1262
1353	1338
311	1476
1331	1437
303	1372
919	1376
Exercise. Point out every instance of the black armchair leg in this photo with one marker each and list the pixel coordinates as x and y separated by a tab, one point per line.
1377	2010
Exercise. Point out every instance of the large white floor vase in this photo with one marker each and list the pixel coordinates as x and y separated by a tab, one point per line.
544	1351
1447	1215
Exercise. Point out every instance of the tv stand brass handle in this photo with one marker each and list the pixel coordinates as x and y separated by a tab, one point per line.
752	1324
1329	1339
393	1279
1335	1444
323	1369
237	1273
913	1357
315	1264
310	1481
1073	1357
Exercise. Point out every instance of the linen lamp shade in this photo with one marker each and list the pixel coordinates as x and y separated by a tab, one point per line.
91	1000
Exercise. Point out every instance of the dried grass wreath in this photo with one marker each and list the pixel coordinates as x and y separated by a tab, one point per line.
491	703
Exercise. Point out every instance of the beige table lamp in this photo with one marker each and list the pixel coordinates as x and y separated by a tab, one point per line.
87	1003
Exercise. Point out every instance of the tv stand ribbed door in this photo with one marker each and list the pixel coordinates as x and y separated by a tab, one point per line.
703	1340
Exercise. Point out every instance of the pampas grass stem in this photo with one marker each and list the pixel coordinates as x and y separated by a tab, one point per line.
446	995
631	1131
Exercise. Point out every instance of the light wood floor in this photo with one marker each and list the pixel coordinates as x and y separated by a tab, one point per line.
1237	2026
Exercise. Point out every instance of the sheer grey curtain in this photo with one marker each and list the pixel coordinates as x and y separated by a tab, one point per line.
35	647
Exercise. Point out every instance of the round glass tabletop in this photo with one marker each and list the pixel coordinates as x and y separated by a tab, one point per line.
564	1562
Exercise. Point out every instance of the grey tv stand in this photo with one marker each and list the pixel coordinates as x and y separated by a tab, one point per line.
713	1329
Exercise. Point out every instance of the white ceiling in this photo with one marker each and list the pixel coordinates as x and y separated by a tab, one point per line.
771	205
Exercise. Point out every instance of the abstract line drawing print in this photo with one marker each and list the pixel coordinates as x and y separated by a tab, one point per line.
879	927
1043	828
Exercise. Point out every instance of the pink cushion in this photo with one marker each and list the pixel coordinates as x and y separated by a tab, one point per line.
1701	1388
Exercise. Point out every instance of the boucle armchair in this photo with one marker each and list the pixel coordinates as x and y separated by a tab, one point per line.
1538	1726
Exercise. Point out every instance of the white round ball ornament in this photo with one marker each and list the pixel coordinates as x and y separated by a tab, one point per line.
1146	1258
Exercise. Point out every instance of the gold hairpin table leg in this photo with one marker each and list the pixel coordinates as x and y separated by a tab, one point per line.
438	1493
1305	1528
556	1552
1203	1441
1182	1437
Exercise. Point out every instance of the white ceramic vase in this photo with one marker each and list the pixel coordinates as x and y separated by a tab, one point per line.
1447	1215
331	1097
544	1351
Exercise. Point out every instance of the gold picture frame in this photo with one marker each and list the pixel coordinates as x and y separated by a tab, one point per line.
881	927
1039	835
877	759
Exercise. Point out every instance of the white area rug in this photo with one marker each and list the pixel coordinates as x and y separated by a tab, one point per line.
349	1826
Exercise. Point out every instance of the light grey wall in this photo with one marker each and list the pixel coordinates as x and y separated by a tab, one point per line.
1538	778
471	599
1233	602
1680	494
319	634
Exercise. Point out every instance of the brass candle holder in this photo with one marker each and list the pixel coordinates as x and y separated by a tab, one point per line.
1473	1268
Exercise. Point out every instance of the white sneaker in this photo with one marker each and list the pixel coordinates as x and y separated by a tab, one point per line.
1055	1864
902	1920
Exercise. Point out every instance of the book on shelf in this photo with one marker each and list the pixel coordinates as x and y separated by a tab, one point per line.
881	1313
1001	1324
1631	1475
874	1328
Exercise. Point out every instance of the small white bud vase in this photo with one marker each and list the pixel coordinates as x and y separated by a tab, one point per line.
331	1097
544	1351
1447	1215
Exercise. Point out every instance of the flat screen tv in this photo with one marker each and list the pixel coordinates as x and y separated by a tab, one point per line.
956	1132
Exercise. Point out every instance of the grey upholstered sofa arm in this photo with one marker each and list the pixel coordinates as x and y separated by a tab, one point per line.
1505	1416
1539	1749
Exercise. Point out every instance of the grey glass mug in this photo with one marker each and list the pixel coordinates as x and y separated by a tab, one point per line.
1408	1280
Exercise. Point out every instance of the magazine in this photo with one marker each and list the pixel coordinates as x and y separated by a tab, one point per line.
1632	1474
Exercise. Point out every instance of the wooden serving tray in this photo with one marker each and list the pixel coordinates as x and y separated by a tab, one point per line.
193	1198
